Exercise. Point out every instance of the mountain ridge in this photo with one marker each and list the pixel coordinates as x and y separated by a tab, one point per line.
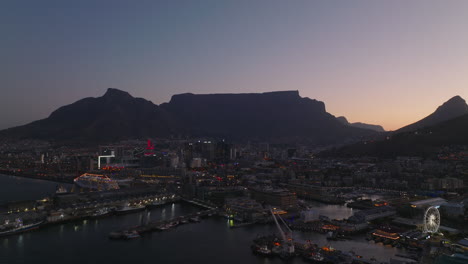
454	107
376	128
277	116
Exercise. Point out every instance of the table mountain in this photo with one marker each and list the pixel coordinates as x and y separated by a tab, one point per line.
273	116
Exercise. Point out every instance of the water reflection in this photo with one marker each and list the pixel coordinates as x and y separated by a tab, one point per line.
333	211
20	242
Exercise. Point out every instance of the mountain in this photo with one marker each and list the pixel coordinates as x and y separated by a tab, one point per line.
422	142
274	116
377	128
115	115
453	108
277	116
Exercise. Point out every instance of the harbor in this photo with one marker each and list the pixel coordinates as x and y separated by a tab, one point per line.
148	226
91	235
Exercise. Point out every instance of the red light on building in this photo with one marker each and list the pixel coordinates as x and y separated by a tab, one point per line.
149	148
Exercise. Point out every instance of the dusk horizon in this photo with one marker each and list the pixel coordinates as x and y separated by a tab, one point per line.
253	92
391	72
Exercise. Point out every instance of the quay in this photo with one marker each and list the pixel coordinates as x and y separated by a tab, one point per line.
160	225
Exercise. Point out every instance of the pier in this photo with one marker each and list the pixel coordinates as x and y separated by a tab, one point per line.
160	225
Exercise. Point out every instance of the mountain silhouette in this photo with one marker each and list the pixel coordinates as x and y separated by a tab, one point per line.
376	128
274	116
453	108
426	141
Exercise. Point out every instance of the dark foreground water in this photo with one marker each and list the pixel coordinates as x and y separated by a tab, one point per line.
211	241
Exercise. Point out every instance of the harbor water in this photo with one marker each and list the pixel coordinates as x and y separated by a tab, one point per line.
211	241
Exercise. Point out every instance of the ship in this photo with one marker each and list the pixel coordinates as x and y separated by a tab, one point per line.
17	227
95	182
126	209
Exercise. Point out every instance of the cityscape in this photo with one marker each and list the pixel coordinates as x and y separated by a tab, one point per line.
282	173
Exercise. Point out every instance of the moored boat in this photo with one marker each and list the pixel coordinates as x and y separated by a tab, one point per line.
129	209
101	212
18	227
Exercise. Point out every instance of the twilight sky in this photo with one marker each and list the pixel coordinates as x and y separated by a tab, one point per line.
382	62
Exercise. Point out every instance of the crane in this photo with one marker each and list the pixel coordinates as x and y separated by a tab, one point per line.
288	245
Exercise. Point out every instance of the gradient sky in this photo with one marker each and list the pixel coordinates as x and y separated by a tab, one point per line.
382	62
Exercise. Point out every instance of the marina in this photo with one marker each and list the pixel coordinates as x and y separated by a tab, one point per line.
90	235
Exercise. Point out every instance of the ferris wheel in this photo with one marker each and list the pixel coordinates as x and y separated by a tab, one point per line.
431	220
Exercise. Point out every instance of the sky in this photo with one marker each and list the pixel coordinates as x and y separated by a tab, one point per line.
379	62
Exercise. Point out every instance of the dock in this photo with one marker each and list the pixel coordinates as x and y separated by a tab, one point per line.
161	225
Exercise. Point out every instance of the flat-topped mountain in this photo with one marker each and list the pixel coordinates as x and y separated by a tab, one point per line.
274	116
451	109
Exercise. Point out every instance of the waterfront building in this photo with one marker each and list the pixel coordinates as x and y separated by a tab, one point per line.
428	202
453	210
244	208
372	214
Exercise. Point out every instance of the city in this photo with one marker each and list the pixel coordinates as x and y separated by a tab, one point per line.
232	175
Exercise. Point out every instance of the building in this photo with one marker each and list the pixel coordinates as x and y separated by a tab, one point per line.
275	197
372	214
244	208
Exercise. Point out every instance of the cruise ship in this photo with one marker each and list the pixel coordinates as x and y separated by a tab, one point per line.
17	227
95	182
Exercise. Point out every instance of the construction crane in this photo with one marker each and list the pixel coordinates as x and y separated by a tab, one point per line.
288	244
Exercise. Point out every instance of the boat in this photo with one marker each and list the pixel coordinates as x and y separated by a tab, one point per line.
183	221
17	227
173	224
101	212
262	250
115	235
130	234
195	219
129	209
162	227
315	258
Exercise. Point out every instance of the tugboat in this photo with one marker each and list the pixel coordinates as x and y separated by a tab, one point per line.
17	227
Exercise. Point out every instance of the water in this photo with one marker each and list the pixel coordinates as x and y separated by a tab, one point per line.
18	188
332	211
211	241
